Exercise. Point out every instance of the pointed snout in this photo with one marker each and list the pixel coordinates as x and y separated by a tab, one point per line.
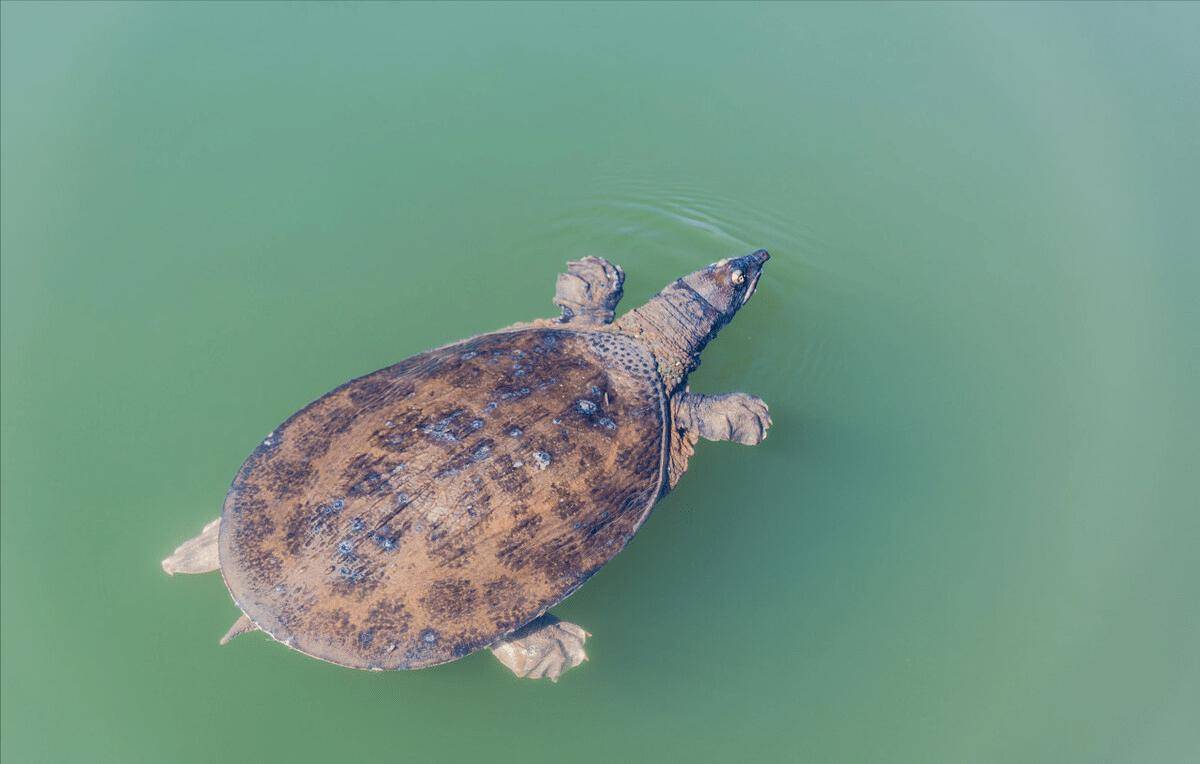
752	265
753	262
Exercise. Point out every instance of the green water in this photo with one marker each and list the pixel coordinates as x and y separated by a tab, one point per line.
971	537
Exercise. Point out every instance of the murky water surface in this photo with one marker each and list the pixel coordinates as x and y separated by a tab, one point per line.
971	536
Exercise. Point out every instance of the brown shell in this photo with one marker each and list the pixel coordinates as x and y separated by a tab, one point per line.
416	514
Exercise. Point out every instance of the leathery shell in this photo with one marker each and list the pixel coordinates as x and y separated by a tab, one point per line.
419	513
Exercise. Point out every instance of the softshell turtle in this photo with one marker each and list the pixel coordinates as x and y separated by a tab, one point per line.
441	505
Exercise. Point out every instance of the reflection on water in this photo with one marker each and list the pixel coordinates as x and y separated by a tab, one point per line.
627	210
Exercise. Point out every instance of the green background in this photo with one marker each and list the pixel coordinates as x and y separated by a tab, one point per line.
973	535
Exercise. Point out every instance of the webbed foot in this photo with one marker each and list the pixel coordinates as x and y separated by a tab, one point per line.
589	291
197	555
738	417
544	647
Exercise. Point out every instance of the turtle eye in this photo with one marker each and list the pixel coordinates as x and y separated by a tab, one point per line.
737	277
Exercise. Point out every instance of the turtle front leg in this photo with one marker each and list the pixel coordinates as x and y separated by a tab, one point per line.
197	555
738	417
589	291
544	647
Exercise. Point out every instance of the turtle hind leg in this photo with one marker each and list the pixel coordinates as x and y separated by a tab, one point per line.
589	291
738	417
196	555
544	647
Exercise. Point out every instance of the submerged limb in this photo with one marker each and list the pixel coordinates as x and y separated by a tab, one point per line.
738	417
196	555
589	291
544	647
240	626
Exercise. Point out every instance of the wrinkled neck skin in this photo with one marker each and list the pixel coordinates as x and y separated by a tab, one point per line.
675	324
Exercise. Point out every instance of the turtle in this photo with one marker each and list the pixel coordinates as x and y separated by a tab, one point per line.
443	505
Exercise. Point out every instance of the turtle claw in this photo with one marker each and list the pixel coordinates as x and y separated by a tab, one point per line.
745	419
196	555
738	417
589	291
545	647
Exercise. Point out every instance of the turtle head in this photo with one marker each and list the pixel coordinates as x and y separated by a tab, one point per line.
678	322
728	284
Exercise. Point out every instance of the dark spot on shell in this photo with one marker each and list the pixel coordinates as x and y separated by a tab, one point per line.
450	598
396	435
568	507
291	478
453	555
389	617
425	645
589	455
262	566
560	560
443	429
386	542
363	476
367	394
514	551
503	592
353	579
366	637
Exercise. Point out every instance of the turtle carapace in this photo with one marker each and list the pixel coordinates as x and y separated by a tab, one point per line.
444	504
